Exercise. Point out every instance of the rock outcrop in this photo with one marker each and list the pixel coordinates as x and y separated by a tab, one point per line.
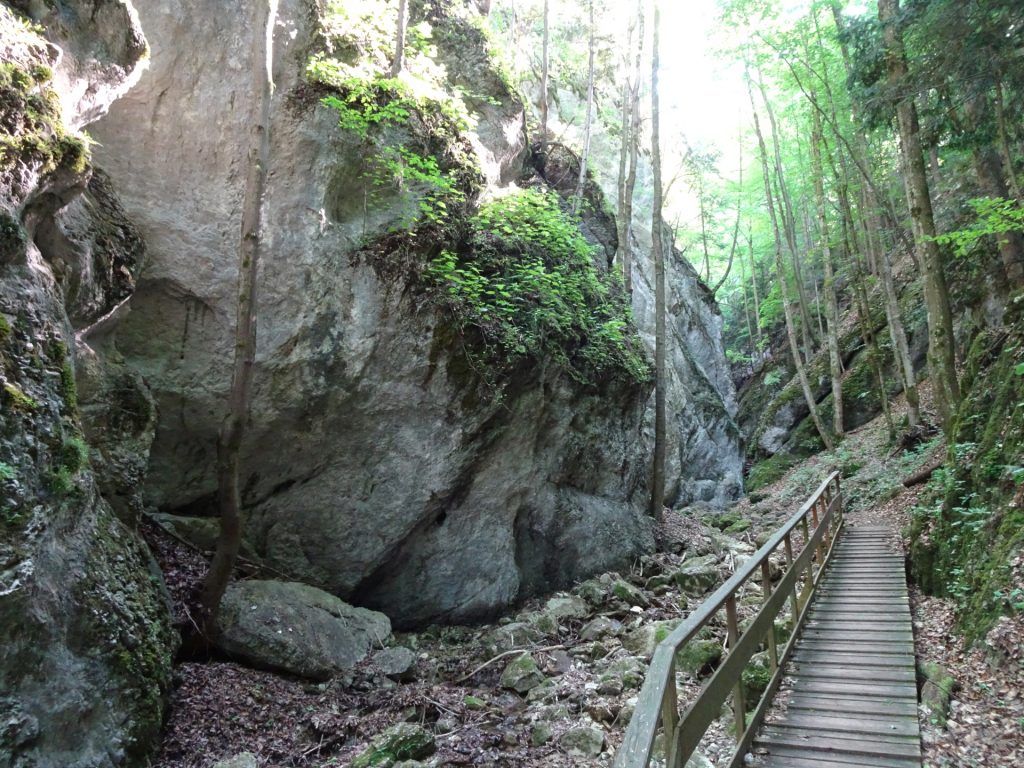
85	637
380	465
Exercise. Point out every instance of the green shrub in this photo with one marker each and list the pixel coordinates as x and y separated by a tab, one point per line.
525	278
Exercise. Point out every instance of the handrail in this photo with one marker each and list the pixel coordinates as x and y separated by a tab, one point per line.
657	705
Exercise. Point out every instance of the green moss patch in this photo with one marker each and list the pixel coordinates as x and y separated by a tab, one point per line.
965	539
31	130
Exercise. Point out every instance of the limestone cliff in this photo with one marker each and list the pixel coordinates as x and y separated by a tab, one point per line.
381	464
85	639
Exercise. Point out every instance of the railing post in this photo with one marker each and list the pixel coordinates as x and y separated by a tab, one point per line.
670	718
766	592
793	604
732	627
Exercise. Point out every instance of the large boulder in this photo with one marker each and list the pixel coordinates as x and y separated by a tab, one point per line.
296	628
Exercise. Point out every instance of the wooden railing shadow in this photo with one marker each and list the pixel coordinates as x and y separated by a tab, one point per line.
815	529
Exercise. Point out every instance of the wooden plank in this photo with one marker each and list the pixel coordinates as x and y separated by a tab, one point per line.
874	746
778	756
840	738
812	655
872	674
885	691
903	725
847	705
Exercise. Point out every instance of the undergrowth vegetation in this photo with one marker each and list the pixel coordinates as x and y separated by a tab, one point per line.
525	278
31	129
410	127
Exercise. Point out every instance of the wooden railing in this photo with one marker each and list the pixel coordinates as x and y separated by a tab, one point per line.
818	523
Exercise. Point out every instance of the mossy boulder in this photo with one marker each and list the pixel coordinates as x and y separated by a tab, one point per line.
698	575
755	678
522	674
700	655
936	685
405	741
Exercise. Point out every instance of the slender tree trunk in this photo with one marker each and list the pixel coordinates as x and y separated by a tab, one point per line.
634	151
941	342
753	283
831	300
751	337
988	168
787	310
736	226
660	385
403	22
623	228
1004	141
585	154
545	64
878	257
230	440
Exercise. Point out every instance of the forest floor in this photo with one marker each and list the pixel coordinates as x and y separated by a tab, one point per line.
219	708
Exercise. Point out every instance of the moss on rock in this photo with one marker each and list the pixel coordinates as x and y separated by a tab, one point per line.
964	542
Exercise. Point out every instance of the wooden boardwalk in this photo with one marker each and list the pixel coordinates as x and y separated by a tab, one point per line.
850	695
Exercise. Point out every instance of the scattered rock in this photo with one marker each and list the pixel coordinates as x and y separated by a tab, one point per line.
397	663
644	639
698	575
755	678
700	655
567	607
243	760
473	704
540	734
522	674
628	593
583	741
600	627
296	628
405	741
937	686
514	635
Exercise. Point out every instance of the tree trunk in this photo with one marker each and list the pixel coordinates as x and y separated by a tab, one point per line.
878	257
660	381
753	283
626	240
831	300
941	343
787	310
988	168
584	155
623	229
403	22
545	64
1004	141
230	439
785	213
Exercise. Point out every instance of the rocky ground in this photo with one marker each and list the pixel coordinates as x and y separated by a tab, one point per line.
555	684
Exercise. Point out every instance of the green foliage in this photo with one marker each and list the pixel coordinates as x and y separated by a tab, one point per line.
19	400
367	108
994	218
969	528
771	469
7	472
525	278
36	135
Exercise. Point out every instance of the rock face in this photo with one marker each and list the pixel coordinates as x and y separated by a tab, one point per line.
380	465
296	628
85	637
